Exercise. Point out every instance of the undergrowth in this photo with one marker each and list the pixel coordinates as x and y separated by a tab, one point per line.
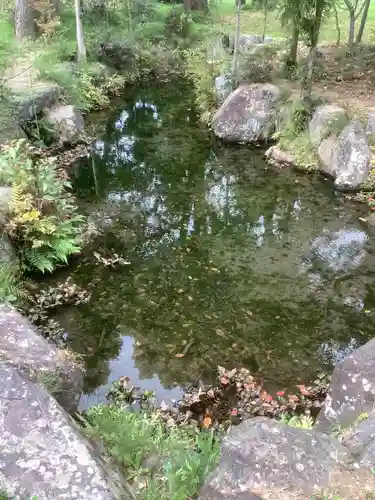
164	463
293	135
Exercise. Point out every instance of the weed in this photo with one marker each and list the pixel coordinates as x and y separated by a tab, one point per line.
335	126
170	463
50	381
298	421
301	149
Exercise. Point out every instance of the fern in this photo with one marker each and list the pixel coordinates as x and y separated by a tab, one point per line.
12	285
43	221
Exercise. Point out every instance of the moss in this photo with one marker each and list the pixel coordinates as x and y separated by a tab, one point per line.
300	147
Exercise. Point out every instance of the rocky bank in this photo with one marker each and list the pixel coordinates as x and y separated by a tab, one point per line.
43	451
266	459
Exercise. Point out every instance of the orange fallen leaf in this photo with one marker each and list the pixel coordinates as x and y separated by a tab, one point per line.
264	395
303	390
207	421
293	398
179	355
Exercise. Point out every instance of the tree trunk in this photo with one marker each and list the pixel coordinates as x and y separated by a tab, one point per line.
265	19
236	46
319	7
24	20
338	30
196	5
351	27
363	22
81	48
292	60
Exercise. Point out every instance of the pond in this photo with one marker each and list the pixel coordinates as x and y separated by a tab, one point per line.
228	261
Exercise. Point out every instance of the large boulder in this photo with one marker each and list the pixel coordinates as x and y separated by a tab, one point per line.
24	348
248	115
326	118
347	157
42	450
264	456
352	390
67	122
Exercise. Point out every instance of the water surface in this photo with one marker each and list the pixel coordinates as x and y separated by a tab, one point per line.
245	264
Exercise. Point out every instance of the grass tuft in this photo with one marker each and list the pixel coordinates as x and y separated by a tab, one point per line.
164	463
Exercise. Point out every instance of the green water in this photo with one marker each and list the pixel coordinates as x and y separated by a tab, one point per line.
246	265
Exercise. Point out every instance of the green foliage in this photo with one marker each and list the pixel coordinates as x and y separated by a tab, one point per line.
292	133
12	285
172	462
202	73
299	422
335	126
43	222
258	66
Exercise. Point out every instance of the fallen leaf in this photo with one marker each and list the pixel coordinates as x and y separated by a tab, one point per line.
179	355
303	390
207	421
293	398
220	332
263	395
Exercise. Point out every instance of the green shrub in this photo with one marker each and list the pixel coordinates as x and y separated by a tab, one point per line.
43	222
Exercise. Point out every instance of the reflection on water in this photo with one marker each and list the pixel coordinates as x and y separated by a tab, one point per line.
230	262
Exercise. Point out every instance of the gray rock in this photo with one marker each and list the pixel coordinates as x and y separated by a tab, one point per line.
8	255
216	51
42	450
23	347
67	122
279	158
248	115
223	88
346	158
370	129
367	459
263	455
323	119
248	42
29	102
352	390
360	435
5	197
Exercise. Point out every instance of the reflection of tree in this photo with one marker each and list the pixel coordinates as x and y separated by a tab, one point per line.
215	260
92	334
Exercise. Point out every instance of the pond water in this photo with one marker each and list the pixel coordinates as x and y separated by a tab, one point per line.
228	262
